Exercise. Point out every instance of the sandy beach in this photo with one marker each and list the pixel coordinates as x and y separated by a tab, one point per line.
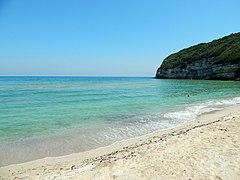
207	148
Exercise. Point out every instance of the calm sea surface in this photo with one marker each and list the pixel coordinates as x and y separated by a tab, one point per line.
72	114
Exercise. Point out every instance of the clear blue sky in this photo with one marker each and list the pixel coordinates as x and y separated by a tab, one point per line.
106	37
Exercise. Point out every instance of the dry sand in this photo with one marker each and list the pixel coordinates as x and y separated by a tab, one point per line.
208	148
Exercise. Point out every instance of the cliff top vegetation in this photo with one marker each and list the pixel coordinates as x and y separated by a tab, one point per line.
223	50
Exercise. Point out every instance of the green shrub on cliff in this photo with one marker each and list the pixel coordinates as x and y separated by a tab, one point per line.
223	50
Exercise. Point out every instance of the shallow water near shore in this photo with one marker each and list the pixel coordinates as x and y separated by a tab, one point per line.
52	116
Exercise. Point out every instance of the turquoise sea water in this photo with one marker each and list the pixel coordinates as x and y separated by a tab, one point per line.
72	114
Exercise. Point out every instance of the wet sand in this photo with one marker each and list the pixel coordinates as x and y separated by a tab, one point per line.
208	148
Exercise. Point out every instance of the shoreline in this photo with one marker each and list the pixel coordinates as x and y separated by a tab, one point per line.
84	161
71	142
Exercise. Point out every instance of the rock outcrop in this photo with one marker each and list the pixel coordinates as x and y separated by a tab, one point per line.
201	69
196	63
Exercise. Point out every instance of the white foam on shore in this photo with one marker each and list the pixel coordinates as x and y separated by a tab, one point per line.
191	113
141	125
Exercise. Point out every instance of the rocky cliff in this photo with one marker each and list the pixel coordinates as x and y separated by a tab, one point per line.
219	59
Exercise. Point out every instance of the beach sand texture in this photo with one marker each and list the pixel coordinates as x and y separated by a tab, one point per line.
208	148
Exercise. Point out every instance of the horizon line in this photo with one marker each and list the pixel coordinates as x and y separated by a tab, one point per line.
74	76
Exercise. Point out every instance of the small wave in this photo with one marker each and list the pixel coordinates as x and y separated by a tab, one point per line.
191	113
140	125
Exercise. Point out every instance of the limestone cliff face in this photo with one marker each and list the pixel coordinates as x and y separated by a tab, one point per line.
201	69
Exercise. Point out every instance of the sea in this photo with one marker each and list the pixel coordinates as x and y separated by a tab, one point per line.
53	116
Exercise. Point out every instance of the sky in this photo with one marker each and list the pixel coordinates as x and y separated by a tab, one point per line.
106	37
